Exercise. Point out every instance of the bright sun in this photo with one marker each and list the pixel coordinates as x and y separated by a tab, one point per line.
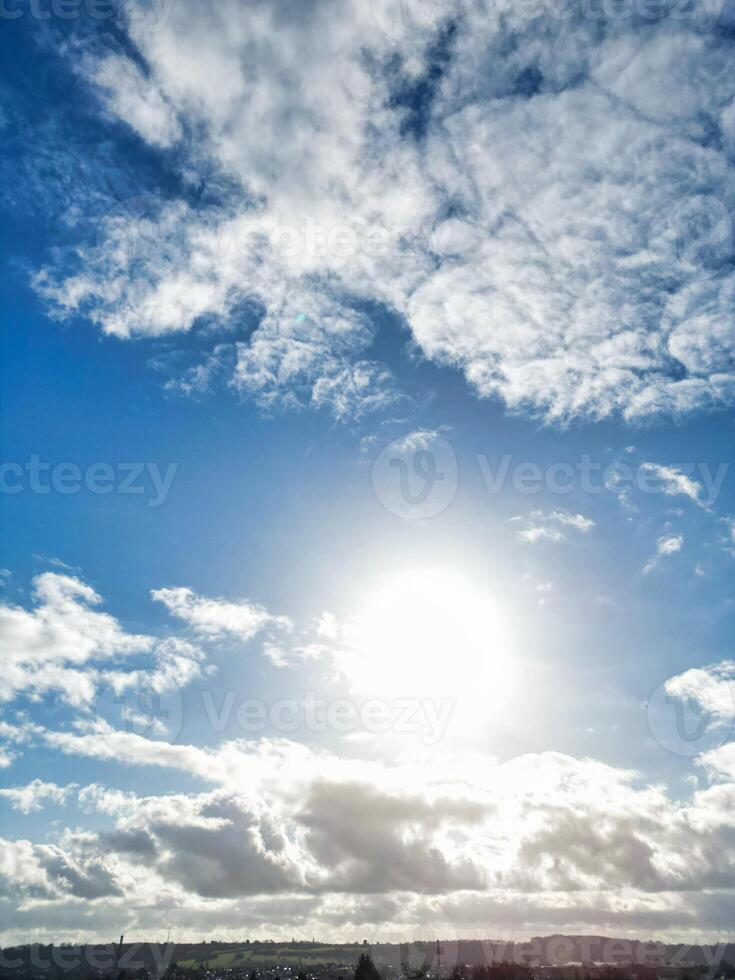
431	633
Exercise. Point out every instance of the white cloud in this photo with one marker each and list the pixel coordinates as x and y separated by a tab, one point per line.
20	865
552	525
665	546
713	688
56	563
674	481
669	545
99	740
135	99
586	270
49	647
412	442
544	591
20	732
35	795
49	872
729	543
720	763
215	618
177	663
64	644
308	353
536	833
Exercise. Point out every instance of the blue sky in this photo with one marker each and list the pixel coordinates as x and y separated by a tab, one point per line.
324	328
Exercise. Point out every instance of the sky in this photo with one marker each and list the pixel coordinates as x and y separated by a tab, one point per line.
366	494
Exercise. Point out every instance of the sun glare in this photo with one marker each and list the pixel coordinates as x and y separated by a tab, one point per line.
431	633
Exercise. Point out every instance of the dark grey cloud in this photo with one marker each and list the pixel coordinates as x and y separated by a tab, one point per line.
137	843
368	841
91	880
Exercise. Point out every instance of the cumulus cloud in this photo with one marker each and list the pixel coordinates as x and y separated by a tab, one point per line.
712	688
35	795
21	868
65	644
12	735
720	764
55	872
47	647
279	820
370	841
177	663
544	201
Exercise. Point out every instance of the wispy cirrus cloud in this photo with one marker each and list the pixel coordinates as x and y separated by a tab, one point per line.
667	545
729	538
214	618
551	525
674	481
